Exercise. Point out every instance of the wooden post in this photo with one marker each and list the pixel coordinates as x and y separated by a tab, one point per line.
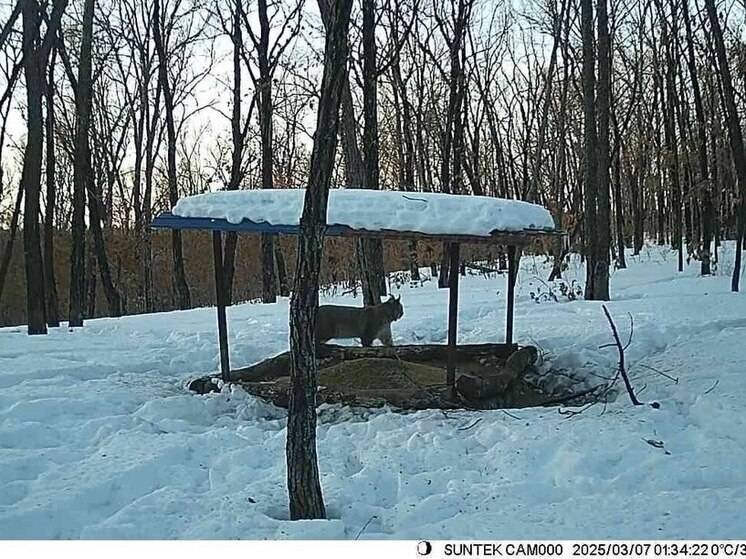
217	254
512	275
453	275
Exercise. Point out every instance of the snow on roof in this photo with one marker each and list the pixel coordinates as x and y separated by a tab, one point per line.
374	210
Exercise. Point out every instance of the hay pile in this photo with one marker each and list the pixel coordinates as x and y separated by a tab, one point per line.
368	382
488	376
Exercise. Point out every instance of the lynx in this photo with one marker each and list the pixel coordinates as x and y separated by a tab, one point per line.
367	323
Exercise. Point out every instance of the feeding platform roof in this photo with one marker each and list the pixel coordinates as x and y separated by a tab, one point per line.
372	213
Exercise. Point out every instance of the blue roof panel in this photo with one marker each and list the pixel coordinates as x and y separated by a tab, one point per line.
171	221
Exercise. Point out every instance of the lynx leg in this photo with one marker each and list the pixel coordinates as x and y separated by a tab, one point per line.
385	335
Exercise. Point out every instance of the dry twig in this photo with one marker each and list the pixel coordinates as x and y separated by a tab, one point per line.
717	381
622	370
364	527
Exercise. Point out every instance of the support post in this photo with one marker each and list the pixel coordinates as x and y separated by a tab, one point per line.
512	275
217	254
453	276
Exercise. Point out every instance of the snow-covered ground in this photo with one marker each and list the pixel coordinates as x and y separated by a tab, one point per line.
99	438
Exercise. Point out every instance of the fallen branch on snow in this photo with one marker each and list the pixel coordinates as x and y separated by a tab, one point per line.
620	348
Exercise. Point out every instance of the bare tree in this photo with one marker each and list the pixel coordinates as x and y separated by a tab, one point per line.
160	23
558	18
36	55
590	153
452	157
704	175
596	100
135	74
12	64
268	56
734	133
304	486
53	311
83	89
239	130
370	251
13	231
404	119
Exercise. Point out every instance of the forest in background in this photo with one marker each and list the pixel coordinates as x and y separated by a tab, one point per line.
622	117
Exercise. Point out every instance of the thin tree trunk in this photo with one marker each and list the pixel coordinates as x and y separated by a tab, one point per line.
82	170
269	278
281	271
370	251
355	173
670	110
53	305
590	153
152	142
533	193
113	298
304	486
734	133
661	209
603	102
406	143
13	230
636	187
618	205
138	131
34	64
704	176
453	134
90	283
355	170
560	167
180	286
237	135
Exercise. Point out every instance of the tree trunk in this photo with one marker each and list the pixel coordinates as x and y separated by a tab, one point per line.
13	230
113	298
281	272
237	135
704	176
453	133
406	145
90	283
590	152
80	172
637	188
34	65
53	305
734	133
180	286
138	132
603	102
661	212
619	207
560	165
356	177
304	486
269	278
669	115
370	251
151	142
354	169
533	193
